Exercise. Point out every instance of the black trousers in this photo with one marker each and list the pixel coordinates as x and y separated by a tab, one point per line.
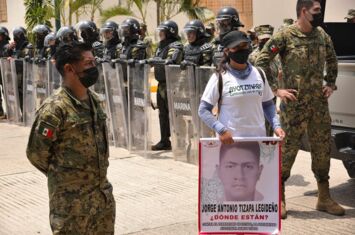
162	102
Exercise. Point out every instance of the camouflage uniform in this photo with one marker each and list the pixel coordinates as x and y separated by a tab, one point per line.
263	32
303	58
68	143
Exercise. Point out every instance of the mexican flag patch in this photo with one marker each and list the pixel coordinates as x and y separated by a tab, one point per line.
45	130
274	49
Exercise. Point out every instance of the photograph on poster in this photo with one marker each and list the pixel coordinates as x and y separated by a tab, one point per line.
239	186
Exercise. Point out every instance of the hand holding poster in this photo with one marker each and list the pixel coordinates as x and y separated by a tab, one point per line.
239	186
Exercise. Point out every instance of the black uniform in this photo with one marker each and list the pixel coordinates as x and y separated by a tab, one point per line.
200	51
88	33
4	52
170	50
109	34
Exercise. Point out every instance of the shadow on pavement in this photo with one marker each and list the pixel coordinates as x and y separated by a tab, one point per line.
163	155
297	180
314	214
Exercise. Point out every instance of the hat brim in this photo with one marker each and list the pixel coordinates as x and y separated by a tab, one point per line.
236	43
349	17
263	36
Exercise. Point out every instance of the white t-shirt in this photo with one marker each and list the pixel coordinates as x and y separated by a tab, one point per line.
241	105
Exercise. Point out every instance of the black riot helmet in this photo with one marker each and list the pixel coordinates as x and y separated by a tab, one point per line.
129	29
228	19
109	31
170	28
49	38
40	32
87	31
5	33
19	34
198	27
66	34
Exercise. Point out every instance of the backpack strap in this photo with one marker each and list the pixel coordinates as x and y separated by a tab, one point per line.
220	89
262	73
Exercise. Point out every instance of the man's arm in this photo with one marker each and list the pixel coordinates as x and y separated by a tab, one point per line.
44	132
332	63
267	54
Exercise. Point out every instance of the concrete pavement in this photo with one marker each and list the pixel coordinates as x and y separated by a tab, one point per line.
156	195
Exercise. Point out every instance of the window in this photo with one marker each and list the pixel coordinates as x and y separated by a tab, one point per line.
3	11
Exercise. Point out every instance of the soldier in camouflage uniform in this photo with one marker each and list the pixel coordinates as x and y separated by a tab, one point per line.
305	50
264	33
210	30
169	51
350	18
68	143
148	41
197	50
286	22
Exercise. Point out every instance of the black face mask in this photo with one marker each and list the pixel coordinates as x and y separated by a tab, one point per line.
240	57
91	75
317	20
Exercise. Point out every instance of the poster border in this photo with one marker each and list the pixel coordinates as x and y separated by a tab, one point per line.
262	139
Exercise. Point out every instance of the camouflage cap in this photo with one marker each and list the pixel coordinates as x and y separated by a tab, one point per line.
351	14
264	31
288	21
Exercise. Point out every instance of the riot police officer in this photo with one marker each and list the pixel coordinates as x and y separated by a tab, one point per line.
4	52
39	32
227	20
197	50
110	38
21	46
49	45
131	49
66	35
88	33
170	50
21	49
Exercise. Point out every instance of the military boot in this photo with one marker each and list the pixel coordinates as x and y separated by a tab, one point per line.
283	203
325	202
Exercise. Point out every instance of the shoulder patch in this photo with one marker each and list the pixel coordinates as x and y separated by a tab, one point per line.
176	44
206	46
274	49
46	130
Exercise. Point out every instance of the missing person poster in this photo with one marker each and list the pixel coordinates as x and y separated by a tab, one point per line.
239	186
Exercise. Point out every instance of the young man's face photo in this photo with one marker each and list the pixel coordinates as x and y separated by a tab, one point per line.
239	170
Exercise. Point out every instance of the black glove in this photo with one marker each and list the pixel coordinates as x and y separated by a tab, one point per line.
131	62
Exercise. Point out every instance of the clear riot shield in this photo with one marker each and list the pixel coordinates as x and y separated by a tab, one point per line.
139	107
54	77
40	81
10	85
29	96
183	113
100	90
117	102
203	74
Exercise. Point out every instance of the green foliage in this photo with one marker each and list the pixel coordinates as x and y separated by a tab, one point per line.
38	12
114	11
